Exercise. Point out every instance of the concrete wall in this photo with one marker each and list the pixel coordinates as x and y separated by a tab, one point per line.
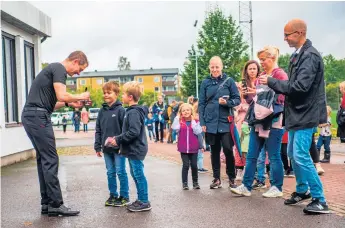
14	143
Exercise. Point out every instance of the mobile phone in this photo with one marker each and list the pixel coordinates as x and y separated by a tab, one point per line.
225	97
244	85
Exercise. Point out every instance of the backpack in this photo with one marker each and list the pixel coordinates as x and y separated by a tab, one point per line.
165	113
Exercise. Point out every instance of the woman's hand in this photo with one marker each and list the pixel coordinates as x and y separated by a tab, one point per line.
251	91
203	128
222	101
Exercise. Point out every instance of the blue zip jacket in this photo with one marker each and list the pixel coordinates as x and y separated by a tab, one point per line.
212	114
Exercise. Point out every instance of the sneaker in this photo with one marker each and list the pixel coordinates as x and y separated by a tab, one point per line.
316	207
232	183
174	142
111	200
297	198
138	206
216	183
202	170
241	190
62	210
196	185
121	201
319	169
259	185
239	176
273	192
291	174
44	209
185	186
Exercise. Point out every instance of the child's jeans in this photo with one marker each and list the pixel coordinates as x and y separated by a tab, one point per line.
324	141
200	159
189	160
76	127
85	127
116	164
137	172
151	133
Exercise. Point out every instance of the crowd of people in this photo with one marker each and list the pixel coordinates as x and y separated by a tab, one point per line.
267	120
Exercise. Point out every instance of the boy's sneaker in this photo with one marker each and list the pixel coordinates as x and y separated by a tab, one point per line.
273	192
297	198
196	185
121	201
259	185
138	206
111	200
241	190
319	169
185	186
291	174
316	207
202	170
232	183
216	183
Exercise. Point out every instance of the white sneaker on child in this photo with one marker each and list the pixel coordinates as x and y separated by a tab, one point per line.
273	192
241	190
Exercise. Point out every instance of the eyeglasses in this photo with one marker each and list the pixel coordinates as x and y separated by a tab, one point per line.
288	34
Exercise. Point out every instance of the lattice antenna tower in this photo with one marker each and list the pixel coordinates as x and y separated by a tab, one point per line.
246	23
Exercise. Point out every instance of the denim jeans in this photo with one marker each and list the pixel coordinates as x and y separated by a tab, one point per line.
200	159
173	135
85	127
137	172
272	146
76	127
151	133
261	165
305	172
324	141
116	165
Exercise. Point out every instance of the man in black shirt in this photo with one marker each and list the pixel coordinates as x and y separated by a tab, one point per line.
47	93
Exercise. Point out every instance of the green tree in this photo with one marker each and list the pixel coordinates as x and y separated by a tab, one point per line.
333	95
148	98
334	69
284	61
219	36
123	63
44	65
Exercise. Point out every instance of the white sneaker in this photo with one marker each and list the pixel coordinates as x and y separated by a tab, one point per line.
239	175
241	190
273	192
319	169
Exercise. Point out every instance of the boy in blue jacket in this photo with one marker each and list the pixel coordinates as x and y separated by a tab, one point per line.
109	123
133	143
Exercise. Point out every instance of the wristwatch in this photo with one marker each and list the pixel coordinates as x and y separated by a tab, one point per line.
66	104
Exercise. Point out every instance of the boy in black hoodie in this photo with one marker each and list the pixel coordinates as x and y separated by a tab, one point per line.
109	123
133	143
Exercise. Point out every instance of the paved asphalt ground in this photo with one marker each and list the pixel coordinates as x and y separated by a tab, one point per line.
84	185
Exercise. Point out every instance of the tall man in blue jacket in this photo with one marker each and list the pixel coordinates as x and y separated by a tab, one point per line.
304	104
218	94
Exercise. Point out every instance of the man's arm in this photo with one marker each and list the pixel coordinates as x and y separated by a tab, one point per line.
133	131
306	75
63	96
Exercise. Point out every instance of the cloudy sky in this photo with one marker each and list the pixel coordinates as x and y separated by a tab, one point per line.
159	34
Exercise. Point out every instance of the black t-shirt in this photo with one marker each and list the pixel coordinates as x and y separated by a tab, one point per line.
42	93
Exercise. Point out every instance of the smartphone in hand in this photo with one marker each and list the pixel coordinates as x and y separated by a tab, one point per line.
244	85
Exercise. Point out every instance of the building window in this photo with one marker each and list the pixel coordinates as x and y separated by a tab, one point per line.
115	80
140	80
29	65
156	79
10	78
69	82
156	89
99	81
82	82
169	88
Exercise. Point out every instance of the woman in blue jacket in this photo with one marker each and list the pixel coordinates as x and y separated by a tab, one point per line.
218	95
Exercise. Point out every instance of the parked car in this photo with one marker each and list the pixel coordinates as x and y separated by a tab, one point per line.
56	118
93	113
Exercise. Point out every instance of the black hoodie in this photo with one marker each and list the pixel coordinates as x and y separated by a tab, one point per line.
109	124
133	141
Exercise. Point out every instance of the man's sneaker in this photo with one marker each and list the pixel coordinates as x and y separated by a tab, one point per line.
291	174
202	170
121	201
297	198
316	207
259	185
273	192
62	210
196	185
44	209
216	183
241	190
239	175
110	201
319	169
185	186
138	206
232	183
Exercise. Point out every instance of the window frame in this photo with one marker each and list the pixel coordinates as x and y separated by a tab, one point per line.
14	88
31	46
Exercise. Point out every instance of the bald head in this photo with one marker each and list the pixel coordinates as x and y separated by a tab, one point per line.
295	32
297	25
216	66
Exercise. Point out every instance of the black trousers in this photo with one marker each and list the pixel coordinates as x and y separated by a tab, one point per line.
161	125
314	153
39	128
189	160
284	157
64	128
216	141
